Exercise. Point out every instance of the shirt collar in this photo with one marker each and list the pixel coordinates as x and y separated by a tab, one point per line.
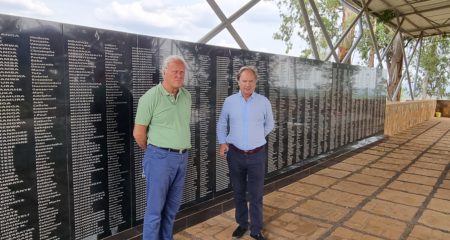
165	92
251	96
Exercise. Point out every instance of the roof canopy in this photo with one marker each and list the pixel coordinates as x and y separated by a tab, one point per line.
432	17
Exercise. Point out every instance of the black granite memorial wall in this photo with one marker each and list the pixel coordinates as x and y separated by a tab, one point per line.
69	168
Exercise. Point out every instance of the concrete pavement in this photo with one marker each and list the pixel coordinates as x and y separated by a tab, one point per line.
398	188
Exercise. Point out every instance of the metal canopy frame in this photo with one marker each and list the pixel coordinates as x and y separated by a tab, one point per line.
414	18
422	17
419	19
226	22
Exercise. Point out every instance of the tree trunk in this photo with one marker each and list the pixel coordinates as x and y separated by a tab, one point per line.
396	67
371	62
346	44
371	57
425	87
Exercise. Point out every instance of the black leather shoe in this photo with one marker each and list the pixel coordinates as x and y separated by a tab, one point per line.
258	236
239	232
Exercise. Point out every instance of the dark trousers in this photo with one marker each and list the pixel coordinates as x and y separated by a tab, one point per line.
247	175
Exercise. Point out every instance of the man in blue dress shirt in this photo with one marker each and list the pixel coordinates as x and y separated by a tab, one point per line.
249	118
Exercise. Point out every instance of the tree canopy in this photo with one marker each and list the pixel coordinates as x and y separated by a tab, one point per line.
434	68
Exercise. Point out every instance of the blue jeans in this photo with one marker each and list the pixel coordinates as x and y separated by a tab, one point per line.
247	175
164	172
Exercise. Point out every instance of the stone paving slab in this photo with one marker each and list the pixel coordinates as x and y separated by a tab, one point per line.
442	194
434	162
423	171
365	158
396	161
293	226
316	179
342	233
445	184
396	189
378	173
411	187
384	227
439	205
302	189
390	209
414	178
347	166
367	179
425	233
321	210
335	173
281	200
436	219
340	198
409	199
387	166
356	188
421	163
358	161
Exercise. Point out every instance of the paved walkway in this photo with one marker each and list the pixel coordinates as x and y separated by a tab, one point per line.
397	189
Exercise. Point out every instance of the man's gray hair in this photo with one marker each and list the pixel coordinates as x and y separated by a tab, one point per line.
169	59
248	67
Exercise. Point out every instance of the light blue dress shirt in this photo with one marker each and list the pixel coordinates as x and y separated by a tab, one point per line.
249	121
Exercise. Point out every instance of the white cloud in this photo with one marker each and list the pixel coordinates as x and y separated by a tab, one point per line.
164	16
152	4
265	11
134	12
28	6
224	39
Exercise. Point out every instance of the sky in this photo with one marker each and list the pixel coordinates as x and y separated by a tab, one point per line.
187	20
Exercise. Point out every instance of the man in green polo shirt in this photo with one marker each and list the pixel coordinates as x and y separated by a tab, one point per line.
162	130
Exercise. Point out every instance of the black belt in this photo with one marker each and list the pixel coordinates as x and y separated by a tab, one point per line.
248	152
180	151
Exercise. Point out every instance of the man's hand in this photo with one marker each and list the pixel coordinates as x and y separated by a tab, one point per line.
223	149
140	135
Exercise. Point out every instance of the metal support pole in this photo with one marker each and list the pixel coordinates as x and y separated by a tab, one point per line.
349	53
324	30
416	74
372	34
231	19
311	37
407	69
230	27
346	32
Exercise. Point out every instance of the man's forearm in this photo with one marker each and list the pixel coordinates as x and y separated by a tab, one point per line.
140	136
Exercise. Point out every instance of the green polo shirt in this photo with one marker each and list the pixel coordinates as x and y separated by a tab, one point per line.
167	117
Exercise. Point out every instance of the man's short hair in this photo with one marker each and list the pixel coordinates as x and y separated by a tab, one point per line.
169	59
248	67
